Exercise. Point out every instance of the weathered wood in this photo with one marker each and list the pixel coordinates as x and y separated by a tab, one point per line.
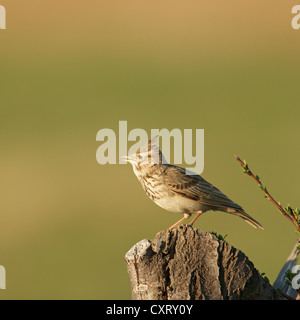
187	263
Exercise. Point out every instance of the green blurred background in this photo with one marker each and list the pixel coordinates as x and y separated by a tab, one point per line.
69	69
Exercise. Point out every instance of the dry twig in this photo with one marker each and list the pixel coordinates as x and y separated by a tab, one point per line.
292	214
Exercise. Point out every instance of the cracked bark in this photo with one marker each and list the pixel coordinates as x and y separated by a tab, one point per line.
191	264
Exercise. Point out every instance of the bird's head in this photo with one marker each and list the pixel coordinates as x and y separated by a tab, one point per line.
146	156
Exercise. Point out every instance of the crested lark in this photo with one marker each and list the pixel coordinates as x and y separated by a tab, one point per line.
172	189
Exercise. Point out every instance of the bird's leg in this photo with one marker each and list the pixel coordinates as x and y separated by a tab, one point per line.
186	216
197	216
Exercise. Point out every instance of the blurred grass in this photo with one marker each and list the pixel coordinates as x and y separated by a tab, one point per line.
66	221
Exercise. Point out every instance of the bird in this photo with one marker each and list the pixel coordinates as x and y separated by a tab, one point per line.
175	189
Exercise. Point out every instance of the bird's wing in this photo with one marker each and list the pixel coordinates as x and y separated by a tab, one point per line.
196	188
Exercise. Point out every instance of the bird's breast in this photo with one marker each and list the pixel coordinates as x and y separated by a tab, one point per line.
154	187
158	191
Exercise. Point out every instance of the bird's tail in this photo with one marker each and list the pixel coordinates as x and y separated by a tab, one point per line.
246	217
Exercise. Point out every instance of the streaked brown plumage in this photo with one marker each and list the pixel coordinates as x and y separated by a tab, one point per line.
172	189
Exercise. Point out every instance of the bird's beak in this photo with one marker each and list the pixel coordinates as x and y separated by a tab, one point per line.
125	159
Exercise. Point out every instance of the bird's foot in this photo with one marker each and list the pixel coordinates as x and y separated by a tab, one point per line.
158	234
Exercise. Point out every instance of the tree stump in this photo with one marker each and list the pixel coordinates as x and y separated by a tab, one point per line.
190	264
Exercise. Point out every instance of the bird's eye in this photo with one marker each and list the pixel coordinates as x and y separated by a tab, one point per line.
140	157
